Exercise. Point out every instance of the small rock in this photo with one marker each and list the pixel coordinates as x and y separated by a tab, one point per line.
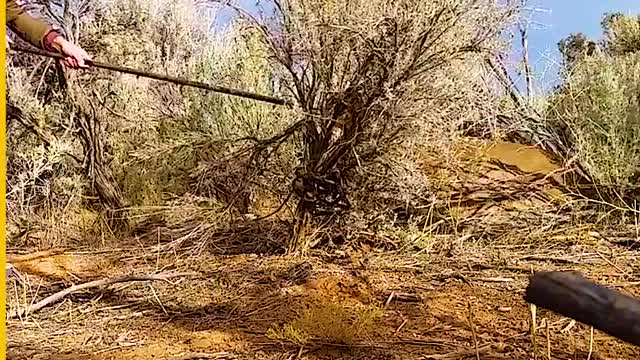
295	290
12	273
249	217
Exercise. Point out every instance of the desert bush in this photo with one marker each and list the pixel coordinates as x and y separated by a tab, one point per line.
621	33
158	140
596	108
183	129
374	86
366	76
599	106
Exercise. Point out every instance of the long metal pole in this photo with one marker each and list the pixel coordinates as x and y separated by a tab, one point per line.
172	79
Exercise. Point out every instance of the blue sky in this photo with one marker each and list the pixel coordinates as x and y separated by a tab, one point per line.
553	20
556	19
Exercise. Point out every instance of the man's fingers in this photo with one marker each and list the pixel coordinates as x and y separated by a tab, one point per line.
76	57
73	62
81	58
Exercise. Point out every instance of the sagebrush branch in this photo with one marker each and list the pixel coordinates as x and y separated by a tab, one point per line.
92	284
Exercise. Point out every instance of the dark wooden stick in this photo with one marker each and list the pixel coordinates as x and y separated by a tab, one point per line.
175	80
571	295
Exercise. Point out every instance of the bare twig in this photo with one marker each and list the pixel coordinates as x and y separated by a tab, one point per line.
524	38
549	258
405	297
501	73
590	343
548	333
473	331
493	279
194	356
534	329
459	354
404	322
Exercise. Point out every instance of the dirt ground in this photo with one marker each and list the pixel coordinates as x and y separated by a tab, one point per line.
332	304
455	293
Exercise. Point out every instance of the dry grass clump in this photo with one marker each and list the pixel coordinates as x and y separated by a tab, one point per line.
329	322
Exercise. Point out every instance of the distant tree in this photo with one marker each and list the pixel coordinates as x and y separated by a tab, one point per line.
575	47
621	33
608	19
597	107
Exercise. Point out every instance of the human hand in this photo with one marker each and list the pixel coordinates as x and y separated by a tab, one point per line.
75	56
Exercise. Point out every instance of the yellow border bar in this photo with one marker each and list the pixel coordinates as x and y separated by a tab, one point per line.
3	183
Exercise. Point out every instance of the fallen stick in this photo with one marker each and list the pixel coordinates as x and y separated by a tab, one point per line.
200	356
571	295
406	297
16	258
460	354
96	283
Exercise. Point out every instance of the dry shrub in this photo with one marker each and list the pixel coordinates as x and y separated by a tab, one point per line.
599	107
622	33
186	131
373	82
330	322
44	184
367	76
158	139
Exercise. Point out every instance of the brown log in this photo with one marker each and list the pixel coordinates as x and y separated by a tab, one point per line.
571	295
